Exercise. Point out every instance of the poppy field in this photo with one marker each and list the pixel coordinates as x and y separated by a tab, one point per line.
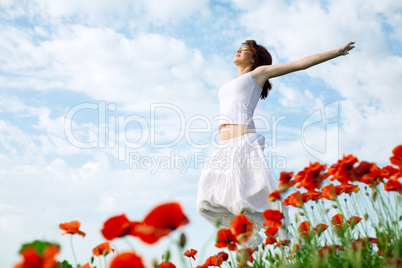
345	215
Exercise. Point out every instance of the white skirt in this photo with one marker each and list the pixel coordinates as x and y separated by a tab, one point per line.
236	179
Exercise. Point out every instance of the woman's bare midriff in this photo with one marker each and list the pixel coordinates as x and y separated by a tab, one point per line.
229	131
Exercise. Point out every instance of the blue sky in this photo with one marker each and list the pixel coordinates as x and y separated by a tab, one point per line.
143	73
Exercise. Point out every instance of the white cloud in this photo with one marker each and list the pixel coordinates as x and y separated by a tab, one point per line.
106	51
118	13
293	98
108	66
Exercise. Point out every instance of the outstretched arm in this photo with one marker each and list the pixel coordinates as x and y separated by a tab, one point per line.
264	72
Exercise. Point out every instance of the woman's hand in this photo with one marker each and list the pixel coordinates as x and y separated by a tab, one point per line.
344	50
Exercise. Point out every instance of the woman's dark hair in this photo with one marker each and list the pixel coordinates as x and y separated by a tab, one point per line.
261	56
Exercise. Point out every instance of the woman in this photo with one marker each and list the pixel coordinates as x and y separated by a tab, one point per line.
236	179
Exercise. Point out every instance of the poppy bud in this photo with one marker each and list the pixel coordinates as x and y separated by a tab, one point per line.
92	259
365	217
374	194
183	239
335	206
155	262
167	256
301	213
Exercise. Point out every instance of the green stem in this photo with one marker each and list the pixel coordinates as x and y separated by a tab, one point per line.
129	244
72	249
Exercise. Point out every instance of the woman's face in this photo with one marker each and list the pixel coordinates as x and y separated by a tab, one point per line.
243	57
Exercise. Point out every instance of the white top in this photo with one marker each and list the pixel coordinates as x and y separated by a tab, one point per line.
238	100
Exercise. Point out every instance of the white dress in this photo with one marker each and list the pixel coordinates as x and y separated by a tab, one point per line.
236	179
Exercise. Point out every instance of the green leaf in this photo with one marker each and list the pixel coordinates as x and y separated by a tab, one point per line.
65	264
38	245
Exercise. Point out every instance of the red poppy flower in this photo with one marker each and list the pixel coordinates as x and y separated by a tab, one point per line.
342	170
168	216
311	177
102	249
338	222
166	265
223	256
376	175
242	227
216	260
312	195
272	218
211	261
319	228
117	226
328	249
159	222
354	220
285	181
304	228
294	200
270	240
328	192
393	185
270	233
348	188
396	159
337	219
275	195
367	172
389	171
147	233
32	258
190	253
127	259
72	228
225	238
